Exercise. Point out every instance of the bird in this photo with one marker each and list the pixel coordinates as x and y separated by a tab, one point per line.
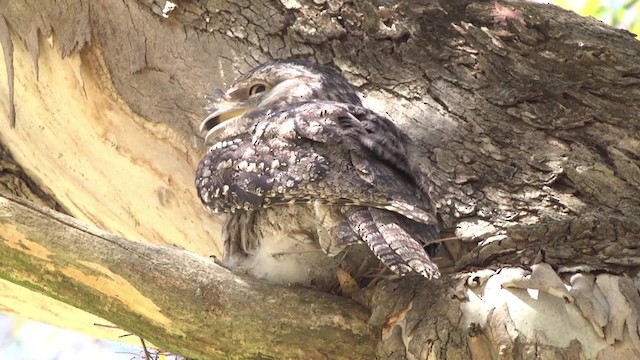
302	171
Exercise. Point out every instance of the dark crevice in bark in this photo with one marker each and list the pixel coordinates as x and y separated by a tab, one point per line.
14	181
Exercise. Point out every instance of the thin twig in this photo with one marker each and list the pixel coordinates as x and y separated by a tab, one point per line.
438	241
296	252
147	355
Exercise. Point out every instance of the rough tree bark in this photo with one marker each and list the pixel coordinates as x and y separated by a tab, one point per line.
527	117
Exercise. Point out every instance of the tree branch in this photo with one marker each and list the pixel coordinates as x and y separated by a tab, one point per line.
177	300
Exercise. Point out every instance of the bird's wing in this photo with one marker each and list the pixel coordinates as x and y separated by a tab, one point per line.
315	151
333	123
375	148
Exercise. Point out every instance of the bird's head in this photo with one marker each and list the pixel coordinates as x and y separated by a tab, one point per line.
274	85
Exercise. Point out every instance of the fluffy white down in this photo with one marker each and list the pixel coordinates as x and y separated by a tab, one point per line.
285	262
289	258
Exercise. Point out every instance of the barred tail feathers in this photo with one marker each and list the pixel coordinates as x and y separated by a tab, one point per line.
391	243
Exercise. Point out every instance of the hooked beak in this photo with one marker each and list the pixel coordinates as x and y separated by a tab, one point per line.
217	124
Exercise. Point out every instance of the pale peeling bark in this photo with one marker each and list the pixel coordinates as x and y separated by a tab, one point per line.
526	115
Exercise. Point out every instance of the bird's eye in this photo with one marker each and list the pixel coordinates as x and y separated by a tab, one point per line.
256	89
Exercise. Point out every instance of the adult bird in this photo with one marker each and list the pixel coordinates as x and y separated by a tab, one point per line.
299	164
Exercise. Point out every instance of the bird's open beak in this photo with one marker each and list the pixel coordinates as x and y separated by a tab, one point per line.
216	123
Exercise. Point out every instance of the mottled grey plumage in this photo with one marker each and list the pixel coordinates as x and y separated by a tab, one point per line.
299	163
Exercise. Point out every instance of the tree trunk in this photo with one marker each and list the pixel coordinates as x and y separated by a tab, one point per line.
528	122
